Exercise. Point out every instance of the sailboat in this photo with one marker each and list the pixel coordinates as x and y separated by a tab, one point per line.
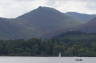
60	58
79	59
60	54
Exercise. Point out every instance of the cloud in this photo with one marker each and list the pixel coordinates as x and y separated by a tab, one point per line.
24	0
91	4
82	6
14	8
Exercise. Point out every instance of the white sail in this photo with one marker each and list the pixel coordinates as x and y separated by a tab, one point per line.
60	54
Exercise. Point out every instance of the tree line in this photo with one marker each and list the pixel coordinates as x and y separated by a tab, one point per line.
68	45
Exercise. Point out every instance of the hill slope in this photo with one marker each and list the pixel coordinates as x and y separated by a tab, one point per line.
89	27
84	18
47	21
42	22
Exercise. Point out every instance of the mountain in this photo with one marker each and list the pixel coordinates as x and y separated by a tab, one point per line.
45	21
89	27
8	29
84	18
40	23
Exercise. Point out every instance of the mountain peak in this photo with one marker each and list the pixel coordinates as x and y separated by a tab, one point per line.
41	8
41	11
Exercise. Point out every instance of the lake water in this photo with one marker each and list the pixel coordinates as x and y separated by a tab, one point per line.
46	60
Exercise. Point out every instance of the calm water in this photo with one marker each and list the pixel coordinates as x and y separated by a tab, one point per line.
46	60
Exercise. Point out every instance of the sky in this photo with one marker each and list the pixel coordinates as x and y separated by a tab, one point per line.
15	8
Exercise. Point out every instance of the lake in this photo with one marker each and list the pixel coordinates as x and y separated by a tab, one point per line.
46	60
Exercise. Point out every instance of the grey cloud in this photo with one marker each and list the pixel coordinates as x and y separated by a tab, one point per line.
23	0
91	4
54	2
22	6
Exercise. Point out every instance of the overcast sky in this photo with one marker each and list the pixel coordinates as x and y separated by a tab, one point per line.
14	8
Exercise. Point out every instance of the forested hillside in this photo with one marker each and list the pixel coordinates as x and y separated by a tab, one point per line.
69	44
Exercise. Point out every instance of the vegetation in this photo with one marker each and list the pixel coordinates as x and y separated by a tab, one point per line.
69	44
